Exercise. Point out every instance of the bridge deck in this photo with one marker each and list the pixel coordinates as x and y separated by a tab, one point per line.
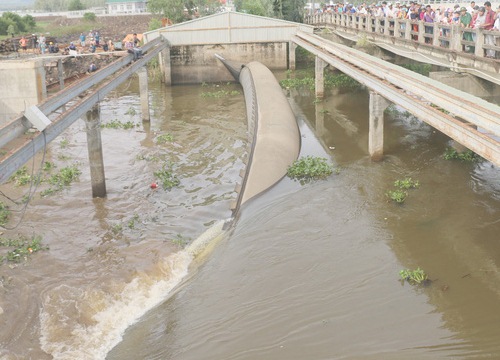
22	149
471	121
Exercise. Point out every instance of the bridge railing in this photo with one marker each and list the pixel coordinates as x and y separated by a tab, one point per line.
451	37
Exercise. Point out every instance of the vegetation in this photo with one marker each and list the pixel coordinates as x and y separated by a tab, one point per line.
219	93
466	156
131	222
182	10
89	16
21	177
423	69
22	248
61	179
162	139
63	5
309	168
407	183
399	195
4	214
306	80
11	23
414	277
117	124
180	240
75	5
167	178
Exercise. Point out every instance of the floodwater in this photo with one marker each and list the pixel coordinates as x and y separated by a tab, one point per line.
306	272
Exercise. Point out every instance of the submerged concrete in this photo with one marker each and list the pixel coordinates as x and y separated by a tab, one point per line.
273	131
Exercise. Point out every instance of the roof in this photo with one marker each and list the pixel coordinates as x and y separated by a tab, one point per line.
229	27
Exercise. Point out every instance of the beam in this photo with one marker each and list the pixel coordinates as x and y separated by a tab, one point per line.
478	142
22	154
18	126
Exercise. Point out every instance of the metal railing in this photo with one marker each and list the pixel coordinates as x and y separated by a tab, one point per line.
451	37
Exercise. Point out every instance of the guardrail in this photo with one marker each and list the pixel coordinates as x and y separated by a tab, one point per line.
451	37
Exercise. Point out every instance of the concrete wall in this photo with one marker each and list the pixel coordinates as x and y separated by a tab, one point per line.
22	84
197	63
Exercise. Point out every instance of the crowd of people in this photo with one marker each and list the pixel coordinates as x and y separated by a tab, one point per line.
87	43
473	16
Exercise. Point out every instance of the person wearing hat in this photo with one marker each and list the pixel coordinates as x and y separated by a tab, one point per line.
465	23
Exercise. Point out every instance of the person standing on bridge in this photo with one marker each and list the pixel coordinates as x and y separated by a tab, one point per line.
465	23
429	18
488	25
82	40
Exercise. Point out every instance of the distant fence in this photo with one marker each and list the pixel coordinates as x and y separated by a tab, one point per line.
452	37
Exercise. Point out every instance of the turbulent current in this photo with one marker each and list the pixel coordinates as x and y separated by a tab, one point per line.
305	272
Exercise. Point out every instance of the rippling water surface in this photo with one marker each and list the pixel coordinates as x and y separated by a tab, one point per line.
307	272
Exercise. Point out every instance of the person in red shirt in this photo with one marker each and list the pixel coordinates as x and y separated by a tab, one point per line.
488	25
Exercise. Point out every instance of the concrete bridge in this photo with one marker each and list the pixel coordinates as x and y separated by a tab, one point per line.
187	55
432	43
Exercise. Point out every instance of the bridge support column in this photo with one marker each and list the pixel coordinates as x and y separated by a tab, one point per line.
60	74
143	90
376	127
94	146
165	66
291	55
319	82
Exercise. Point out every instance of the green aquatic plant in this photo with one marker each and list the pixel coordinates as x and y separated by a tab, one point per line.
162	139
131	111
465	156
398	195
117	124
64	143
413	277
131	222
220	93
62	179
22	248
180	240
21	177
309	168
167	177
407	183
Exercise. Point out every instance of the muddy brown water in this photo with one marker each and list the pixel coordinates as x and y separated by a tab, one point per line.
307	272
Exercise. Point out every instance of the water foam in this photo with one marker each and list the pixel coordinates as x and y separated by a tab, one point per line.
69	332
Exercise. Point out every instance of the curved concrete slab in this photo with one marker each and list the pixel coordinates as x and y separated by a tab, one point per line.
273	131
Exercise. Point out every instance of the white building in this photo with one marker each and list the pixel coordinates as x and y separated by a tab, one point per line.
126	6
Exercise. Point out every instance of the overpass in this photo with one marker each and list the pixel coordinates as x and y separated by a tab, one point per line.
433	43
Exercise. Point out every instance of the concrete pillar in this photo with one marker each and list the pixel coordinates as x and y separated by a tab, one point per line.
165	66
376	126
319	82
60	73
291	55
143	90
479	51
94	146
22	84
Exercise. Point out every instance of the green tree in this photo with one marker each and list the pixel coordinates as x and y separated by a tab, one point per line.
29	22
75	5
293	10
255	7
172	9
11	29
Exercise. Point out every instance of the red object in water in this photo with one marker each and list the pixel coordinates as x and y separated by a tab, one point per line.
154	185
